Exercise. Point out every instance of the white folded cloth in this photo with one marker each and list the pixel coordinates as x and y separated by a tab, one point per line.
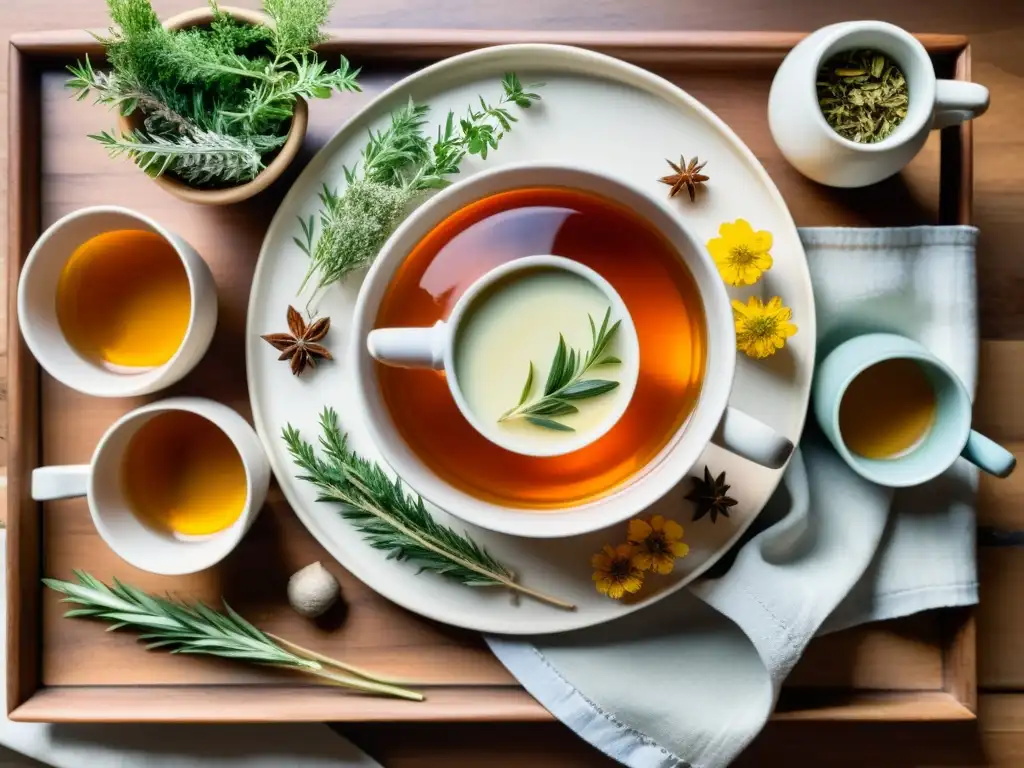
691	680
260	745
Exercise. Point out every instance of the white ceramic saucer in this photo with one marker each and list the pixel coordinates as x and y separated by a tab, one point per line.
634	120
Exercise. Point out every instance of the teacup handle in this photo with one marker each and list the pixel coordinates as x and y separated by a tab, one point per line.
958	100
409	347
988	456
67	482
752	439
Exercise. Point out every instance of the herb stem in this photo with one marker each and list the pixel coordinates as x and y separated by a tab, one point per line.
328	661
367	686
423	541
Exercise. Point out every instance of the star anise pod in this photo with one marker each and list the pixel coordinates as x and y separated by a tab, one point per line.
300	345
688	176
709	495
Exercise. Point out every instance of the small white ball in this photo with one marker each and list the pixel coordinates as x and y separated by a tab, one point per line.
313	590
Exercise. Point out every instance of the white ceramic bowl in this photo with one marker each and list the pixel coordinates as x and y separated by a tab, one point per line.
37	306
711	417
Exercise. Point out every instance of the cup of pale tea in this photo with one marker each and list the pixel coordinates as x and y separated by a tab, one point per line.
537	308
897	414
172	487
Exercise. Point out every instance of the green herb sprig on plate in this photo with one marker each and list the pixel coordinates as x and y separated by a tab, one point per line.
398	164
198	629
565	382
215	101
391	519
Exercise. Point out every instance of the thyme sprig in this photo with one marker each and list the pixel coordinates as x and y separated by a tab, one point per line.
396	165
198	629
565	382
391	519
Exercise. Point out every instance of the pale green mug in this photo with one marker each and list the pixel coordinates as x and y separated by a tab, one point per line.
949	437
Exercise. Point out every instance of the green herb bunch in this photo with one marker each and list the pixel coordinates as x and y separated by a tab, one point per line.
398	164
392	519
565	382
863	95
217	100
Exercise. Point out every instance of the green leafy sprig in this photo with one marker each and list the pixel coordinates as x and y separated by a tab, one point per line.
565	382
210	97
392	520
397	164
198	629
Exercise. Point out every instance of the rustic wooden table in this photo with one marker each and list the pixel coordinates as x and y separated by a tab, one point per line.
995	27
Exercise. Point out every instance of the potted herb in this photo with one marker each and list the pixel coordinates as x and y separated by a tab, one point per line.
212	101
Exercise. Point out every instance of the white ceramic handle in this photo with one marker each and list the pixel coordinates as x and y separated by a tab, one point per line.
956	101
752	439
66	482
409	347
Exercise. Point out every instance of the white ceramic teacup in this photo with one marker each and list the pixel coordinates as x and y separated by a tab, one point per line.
816	150
37	308
710	420
434	348
101	482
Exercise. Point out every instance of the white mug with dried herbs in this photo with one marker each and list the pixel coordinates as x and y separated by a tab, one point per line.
853	103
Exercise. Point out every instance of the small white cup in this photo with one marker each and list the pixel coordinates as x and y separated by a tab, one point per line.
434	348
100	481
817	151
37	307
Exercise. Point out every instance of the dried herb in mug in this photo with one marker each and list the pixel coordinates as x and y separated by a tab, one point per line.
863	95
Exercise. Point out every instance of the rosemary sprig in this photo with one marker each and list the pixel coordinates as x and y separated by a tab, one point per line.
398	164
565	380
392	520
197	628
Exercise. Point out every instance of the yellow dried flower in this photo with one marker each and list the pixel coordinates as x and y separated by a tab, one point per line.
740	253
762	329
614	573
658	543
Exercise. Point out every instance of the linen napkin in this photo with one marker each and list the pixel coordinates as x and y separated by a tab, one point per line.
691	680
262	745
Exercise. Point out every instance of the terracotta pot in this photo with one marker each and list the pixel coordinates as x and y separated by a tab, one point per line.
285	155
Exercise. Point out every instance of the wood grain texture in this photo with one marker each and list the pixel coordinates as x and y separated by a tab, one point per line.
995	27
901	656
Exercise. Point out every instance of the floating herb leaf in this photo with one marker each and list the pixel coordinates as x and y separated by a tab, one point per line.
863	95
565	380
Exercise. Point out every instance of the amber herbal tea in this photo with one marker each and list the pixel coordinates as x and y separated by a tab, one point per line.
182	475
887	410
123	300
660	294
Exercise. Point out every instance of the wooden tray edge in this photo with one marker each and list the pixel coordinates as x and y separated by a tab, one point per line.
28	702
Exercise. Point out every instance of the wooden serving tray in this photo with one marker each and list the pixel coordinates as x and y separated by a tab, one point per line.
921	668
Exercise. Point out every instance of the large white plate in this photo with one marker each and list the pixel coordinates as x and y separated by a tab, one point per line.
596	111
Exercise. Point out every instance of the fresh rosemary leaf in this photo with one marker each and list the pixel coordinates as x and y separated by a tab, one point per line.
565	379
540	421
559	366
404	161
392	520
198	629
527	386
550	407
587	388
